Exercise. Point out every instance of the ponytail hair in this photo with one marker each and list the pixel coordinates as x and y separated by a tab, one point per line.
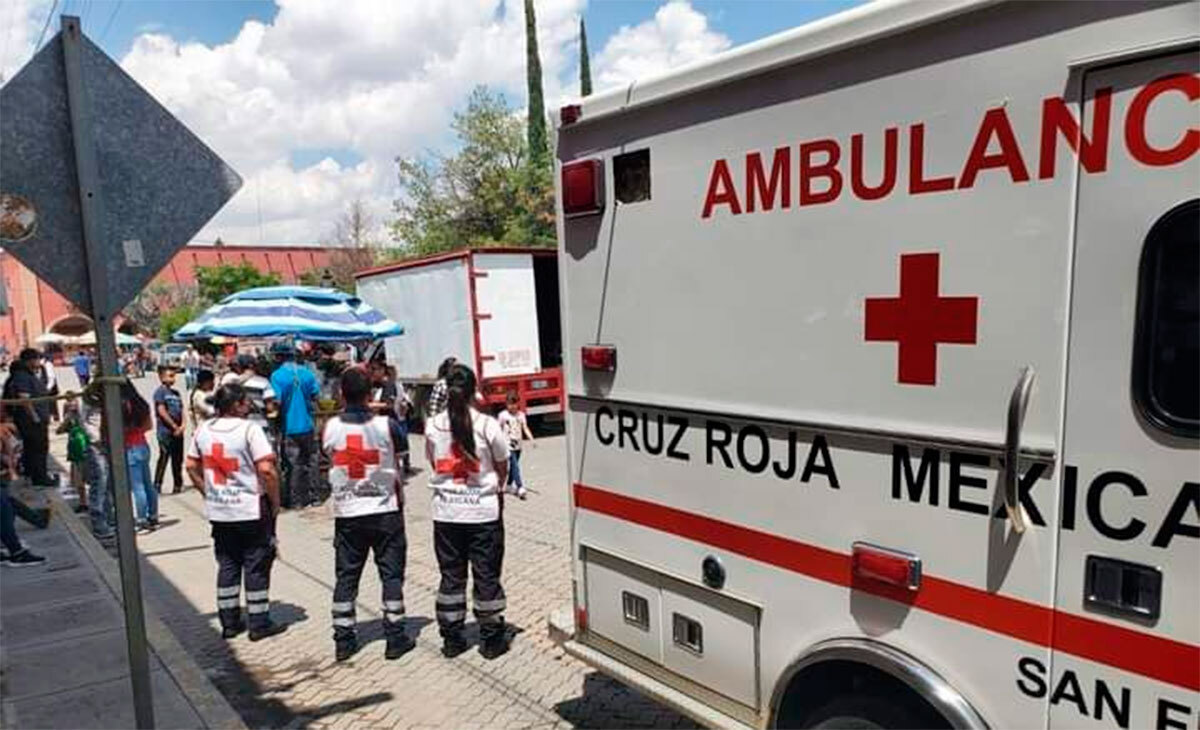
460	387
228	396
135	411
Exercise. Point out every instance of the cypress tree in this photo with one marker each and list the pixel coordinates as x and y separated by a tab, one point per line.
536	125
585	65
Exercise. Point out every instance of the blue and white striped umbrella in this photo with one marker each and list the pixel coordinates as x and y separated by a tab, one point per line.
304	312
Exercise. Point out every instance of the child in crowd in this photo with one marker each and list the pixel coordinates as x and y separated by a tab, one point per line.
77	446
101	503
201	398
516	428
168	409
401	410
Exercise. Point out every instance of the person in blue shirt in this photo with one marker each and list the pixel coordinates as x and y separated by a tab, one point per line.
83	368
168	409
296	390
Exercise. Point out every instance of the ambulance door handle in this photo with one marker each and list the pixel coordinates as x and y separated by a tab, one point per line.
1009	475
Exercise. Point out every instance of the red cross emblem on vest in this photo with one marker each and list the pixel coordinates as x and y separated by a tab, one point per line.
222	466
457	465
919	319
355	457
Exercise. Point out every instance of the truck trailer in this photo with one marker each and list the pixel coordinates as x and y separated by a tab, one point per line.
495	309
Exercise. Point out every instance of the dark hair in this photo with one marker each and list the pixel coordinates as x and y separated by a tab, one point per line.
512	397
228	396
205	376
444	368
135	411
356	386
165	369
29	354
460	386
263	367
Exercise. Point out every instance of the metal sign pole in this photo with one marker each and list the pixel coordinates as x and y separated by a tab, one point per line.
91	202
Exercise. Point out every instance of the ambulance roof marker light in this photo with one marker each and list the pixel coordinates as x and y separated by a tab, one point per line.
570	113
892	567
583	187
599	358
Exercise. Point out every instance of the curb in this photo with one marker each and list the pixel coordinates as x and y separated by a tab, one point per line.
210	705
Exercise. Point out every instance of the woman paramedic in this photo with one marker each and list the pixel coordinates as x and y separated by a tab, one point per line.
469	455
232	463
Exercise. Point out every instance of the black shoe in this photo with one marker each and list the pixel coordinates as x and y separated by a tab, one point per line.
24	559
343	650
452	646
231	631
271	629
494	647
399	646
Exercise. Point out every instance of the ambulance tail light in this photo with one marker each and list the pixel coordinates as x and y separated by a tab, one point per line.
893	567
570	113
600	358
583	188
581	619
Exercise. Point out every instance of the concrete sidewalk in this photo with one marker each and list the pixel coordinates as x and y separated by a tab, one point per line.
63	660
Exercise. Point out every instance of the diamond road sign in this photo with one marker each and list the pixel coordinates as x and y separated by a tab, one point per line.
158	183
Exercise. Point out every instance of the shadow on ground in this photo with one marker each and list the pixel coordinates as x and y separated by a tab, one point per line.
606	703
251	691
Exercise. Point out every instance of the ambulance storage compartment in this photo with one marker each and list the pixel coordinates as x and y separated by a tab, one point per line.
684	628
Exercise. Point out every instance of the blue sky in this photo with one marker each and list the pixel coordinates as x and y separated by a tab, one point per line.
311	101
216	21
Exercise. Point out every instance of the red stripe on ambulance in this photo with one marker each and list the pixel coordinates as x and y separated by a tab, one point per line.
1151	656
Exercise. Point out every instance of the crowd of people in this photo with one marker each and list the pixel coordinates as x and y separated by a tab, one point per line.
258	435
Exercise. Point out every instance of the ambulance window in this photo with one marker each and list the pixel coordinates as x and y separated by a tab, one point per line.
631	176
1166	357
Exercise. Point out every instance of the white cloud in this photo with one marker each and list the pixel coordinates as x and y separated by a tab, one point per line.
21	24
380	79
677	34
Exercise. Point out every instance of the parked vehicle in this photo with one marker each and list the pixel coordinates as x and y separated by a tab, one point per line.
495	309
171	354
882	357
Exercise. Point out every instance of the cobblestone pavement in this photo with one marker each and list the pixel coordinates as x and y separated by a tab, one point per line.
292	681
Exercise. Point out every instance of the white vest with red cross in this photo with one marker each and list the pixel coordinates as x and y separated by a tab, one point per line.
231	489
362	472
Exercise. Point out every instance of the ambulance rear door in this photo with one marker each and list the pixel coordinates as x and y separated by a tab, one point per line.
1126	624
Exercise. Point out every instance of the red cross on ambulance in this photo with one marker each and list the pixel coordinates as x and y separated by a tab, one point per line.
920	319
220	465
355	457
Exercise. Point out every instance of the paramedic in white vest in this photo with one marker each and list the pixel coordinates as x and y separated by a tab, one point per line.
366	493
232	463
468	453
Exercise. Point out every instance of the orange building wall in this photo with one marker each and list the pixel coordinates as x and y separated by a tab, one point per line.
34	306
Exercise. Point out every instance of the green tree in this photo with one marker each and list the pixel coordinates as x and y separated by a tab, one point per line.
144	313
488	193
539	149
217	282
172	319
585	64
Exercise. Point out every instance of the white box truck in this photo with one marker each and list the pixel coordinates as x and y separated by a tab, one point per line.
882	354
495	309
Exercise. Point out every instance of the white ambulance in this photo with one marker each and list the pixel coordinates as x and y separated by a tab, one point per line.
881	353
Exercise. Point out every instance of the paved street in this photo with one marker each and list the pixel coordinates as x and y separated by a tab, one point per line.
292	680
